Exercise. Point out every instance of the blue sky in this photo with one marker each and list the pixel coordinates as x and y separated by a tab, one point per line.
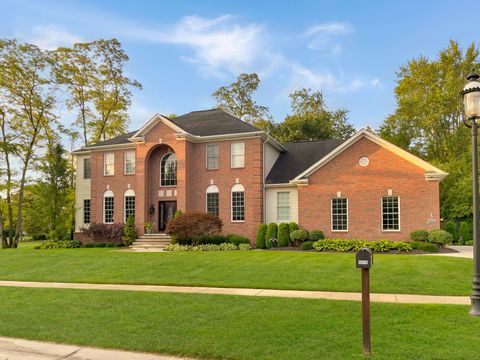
181	51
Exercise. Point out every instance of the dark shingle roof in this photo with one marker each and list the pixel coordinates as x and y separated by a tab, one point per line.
298	158
121	139
212	122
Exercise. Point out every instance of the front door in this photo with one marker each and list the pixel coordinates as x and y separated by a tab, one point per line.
166	211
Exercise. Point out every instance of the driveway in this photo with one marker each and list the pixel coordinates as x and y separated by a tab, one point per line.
460	251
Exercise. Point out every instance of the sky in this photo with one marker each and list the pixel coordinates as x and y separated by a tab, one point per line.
182	51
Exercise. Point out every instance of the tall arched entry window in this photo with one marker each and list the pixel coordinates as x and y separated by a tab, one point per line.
168	170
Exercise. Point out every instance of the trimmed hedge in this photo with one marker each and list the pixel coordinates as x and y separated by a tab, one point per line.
207	247
450	228
283	235
343	245
424	246
440	237
299	236
59	244
316	235
464	232
237	239
272	233
260	242
307	245
419	235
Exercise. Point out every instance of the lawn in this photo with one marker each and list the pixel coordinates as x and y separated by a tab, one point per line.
235	327
255	269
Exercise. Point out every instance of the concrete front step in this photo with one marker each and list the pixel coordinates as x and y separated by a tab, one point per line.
151	242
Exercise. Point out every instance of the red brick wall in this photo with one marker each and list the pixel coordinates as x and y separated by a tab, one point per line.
364	188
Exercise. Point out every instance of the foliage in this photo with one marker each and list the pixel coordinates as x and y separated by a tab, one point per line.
204	247
344	245
450	228
99	232
206	239
261	234
292	227
424	246
469	242
194	225
237	239
149	225
177	214
129	231
236	99
283	235
316	235
419	235
244	247
59	244
464	232
298	236
440	237
271	235
307	245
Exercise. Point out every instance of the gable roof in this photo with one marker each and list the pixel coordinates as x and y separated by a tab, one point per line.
431	172
299	157
117	140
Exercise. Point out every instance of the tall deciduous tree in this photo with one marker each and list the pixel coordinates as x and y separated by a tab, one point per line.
237	99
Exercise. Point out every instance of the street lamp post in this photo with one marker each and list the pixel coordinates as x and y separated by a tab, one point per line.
471	101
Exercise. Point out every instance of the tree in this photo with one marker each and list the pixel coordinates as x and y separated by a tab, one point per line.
311	120
236	99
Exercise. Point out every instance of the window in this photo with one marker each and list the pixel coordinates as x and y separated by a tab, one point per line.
86	211
129	162
108	206
109	164
238	154
168	170
283	205
87	168
339	214
390	213
238	203
212	156
129	198
212	200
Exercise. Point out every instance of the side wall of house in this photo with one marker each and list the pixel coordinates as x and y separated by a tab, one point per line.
364	188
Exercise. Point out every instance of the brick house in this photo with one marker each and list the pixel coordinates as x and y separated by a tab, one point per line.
364	187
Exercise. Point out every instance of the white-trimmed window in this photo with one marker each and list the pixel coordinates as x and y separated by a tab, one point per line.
109	164
129	203
168	170
129	162
283	206
238	154
212	151
339	214
212	200
87	168
390	213
108	206
86	211
238	203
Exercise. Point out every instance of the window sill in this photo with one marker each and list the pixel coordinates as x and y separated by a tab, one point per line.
237	221
391	231
212	169
108	175
339	231
237	167
128	174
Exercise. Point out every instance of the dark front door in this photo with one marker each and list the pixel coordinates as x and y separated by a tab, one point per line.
166	211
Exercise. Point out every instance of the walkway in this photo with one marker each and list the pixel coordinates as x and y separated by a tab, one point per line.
328	295
20	349
461	251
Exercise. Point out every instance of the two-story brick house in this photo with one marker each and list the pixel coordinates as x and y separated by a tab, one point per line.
210	161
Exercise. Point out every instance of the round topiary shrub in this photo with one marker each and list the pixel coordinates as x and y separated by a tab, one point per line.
424	246
298	236
440	237
283	235
271	235
307	245
316	235
261	233
293	226
419	235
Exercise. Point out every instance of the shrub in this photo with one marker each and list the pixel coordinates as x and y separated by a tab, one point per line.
62	244
419	235
206	247
212	239
344	245
424	246
177	214
298	236
99	232
450	228
440	237
272	233
191	226
237	239
129	231
100	245
283	235
316	235
35	237
261	234
89	245
244	247
293	226
469	242
307	245
272	243
464	232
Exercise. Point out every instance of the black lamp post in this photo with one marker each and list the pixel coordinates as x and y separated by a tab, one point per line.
471	101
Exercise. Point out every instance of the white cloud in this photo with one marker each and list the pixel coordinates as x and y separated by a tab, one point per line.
50	37
325	36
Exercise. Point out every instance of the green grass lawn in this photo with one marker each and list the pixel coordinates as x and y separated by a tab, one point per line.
236	327
256	269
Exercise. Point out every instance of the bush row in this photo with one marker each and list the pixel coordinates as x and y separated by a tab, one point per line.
59	244
214	239
208	247
461	232
283	235
344	245
436	236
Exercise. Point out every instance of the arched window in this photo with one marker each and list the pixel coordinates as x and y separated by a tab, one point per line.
212	200
129	203
168	170
238	202
108	206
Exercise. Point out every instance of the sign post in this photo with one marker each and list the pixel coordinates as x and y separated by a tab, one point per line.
364	261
